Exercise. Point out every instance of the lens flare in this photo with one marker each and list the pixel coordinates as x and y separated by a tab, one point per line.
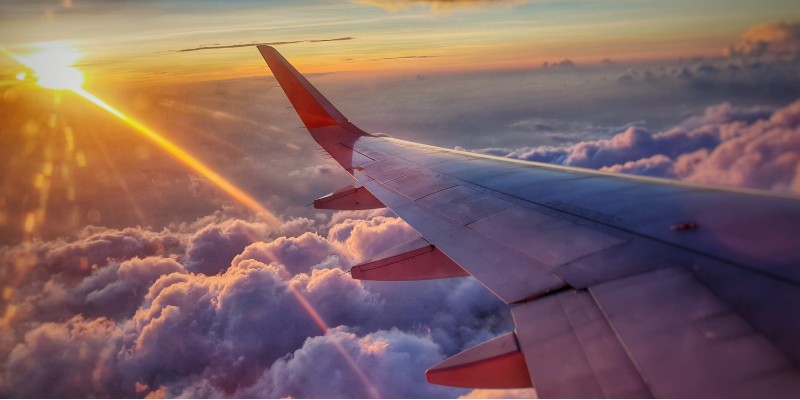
52	65
184	157
312	312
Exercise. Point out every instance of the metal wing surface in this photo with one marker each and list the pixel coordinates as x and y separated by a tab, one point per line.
619	286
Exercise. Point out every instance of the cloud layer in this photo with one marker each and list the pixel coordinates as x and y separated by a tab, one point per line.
768	38
230	307
754	147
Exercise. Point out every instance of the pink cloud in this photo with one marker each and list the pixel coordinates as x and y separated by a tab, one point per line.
379	356
297	254
657	165
764	155
770	37
750	147
149	326
363	239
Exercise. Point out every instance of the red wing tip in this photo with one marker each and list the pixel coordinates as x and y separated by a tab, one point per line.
263	48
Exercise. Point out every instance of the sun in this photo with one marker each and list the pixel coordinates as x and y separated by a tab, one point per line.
52	65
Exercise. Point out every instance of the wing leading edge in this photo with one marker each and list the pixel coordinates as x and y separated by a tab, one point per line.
619	286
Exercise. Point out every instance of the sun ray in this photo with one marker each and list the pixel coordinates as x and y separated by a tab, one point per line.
184	157
53	67
312	312
117	176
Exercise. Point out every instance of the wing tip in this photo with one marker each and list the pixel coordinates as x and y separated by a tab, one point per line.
312	107
266	51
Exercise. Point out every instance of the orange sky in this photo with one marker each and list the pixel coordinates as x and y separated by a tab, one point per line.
129	40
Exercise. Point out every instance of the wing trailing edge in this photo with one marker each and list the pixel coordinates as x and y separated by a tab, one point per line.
349	198
413	261
496	364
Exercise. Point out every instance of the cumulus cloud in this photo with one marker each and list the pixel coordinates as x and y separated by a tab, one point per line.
377	358
365	239
297	254
768	38
280	318
754	147
764	60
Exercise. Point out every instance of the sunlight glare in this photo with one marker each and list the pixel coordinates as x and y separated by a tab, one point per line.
52	64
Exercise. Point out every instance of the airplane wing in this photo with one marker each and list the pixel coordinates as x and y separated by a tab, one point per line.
619	286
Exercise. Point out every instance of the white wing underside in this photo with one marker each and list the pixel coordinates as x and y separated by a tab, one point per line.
619	286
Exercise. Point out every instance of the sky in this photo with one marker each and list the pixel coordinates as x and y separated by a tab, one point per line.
155	238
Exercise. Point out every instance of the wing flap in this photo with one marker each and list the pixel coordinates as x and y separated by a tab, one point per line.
348	198
496	364
676	330
572	352
412	261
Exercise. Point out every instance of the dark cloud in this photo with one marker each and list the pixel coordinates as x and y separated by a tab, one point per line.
565	63
339	39
407	57
254	44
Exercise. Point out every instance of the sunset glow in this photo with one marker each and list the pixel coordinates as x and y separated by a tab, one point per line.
53	66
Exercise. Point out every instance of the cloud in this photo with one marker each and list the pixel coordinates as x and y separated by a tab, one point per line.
379	356
146	321
565	63
211	249
253	44
296	254
768	38
69	359
763	60
365	239
339	39
657	165
439	5
407	57
753	147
